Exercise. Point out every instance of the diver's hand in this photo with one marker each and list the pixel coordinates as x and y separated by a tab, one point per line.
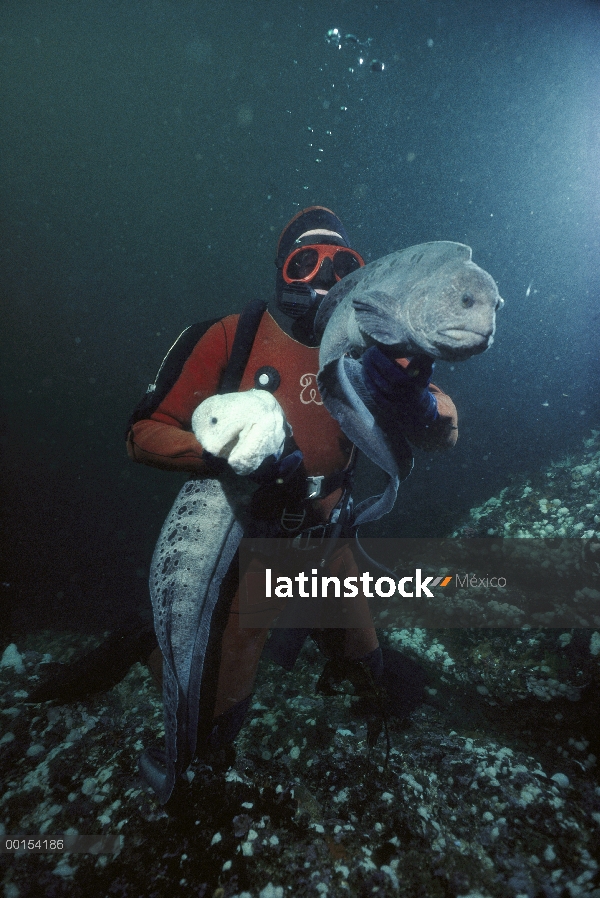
419	370
279	470
271	470
242	429
400	392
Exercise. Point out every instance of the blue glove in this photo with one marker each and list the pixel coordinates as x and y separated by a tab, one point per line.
400	393
280	469
269	471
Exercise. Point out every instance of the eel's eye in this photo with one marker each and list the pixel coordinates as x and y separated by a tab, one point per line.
467	301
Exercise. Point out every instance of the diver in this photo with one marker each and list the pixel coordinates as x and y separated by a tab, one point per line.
310	481
313	254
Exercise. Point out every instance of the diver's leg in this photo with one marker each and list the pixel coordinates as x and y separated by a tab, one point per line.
233	657
241	651
351	644
359	642
240	656
234	696
399	680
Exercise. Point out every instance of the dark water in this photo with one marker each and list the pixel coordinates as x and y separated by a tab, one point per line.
151	153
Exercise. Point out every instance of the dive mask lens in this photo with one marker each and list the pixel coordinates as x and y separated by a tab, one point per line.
303	264
345	262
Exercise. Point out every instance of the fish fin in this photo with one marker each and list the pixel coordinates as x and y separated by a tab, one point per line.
426	258
337	383
373	317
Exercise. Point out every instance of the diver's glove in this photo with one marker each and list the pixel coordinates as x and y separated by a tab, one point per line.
400	393
278	469
274	468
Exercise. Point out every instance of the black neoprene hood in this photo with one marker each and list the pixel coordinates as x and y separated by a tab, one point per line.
318	224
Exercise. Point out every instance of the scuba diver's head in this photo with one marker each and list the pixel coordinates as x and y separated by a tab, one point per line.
313	254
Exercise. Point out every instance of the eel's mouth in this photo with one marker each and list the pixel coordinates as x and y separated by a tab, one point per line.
226	450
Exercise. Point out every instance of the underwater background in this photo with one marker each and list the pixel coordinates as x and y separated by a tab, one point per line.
150	154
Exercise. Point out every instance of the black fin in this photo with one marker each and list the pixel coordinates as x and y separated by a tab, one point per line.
98	670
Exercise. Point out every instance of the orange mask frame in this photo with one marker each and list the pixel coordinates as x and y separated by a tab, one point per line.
311	257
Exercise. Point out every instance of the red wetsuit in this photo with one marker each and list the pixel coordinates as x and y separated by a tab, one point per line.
165	440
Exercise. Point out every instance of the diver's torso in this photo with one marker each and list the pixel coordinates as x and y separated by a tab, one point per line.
317	434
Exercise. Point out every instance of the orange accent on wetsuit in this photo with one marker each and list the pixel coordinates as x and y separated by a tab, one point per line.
165	440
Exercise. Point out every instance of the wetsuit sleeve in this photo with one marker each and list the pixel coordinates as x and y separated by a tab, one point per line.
165	439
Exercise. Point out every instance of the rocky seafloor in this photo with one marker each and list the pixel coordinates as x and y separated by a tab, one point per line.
492	787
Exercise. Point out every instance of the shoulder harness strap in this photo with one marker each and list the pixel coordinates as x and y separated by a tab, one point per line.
247	327
169	371
182	348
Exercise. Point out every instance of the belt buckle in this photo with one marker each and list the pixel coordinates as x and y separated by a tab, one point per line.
314	485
